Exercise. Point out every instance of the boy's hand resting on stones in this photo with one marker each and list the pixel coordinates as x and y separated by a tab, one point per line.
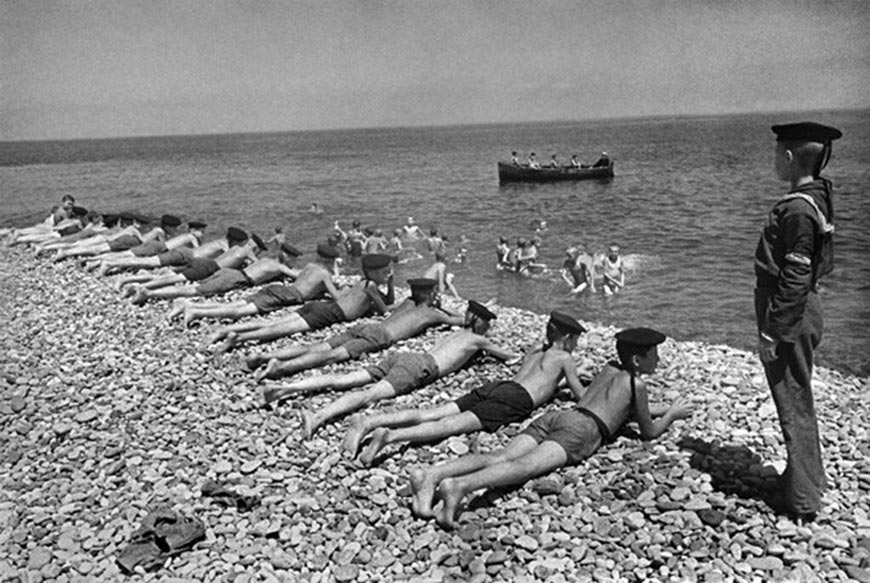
682	408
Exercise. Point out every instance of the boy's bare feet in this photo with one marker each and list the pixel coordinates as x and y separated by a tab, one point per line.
310	423
178	307
379	440
424	493
355	433
451	495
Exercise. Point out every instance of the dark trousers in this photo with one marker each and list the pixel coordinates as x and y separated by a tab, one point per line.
789	377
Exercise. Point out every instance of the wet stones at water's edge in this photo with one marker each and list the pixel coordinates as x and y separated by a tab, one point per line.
107	411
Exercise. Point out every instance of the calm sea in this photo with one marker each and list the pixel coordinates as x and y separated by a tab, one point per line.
687	203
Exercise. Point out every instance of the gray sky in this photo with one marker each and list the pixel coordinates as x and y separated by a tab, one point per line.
80	68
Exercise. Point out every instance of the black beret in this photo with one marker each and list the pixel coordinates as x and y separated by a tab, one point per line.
480	310
423	283
110	219
376	261
328	251
566	323
79	211
170	221
260	243
126	216
806	131
196	225
236	235
289	249
139	217
643	337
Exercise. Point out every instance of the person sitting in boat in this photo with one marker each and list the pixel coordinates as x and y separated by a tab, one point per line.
553	162
603	161
514	160
533	162
575	163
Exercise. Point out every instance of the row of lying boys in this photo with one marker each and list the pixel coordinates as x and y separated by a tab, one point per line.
549	442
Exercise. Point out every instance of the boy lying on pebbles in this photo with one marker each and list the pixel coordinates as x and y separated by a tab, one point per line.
409	319
488	407
557	438
224	280
399	373
359	300
232	251
184	240
314	280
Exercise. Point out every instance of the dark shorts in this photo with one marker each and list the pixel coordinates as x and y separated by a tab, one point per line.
274	297
149	249
321	314
198	269
361	339
176	257
124	242
575	432
497	403
405	371
222	281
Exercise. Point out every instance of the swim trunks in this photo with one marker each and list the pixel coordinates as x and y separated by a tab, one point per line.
321	314
177	256
274	297
222	281
361	339
405	371
198	269
70	230
124	242
576	432
497	403
149	248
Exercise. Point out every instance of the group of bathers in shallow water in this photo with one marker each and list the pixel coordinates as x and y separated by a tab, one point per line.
171	261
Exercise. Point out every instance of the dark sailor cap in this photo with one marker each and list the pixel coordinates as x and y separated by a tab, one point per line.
327	250
126	216
260	243
169	221
566	323
376	261
110	219
289	249
236	235
79	211
480	311
196	225
806	131
642	337
422	283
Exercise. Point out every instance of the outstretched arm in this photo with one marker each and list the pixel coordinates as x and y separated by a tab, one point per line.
649	429
497	351
569	370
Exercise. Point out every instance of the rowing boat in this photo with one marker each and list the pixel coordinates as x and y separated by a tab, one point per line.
508	172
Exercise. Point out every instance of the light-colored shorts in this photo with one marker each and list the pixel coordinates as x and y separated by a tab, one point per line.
405	371
575	432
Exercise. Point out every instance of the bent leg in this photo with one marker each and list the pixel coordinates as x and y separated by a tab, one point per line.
543	459
346	404
425	481
424	432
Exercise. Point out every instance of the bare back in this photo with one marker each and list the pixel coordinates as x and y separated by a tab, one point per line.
212	249
311	281
609	397
266	269
356	301
452	352
541	371
234	257
402	324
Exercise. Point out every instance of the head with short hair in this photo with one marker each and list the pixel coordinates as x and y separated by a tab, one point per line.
562	328
377	267
433	232
613	251
637	349
67	201
503	240
423	290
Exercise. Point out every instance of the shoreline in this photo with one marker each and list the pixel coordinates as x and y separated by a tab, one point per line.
107	411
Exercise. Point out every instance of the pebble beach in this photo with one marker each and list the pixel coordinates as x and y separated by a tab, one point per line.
109	410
